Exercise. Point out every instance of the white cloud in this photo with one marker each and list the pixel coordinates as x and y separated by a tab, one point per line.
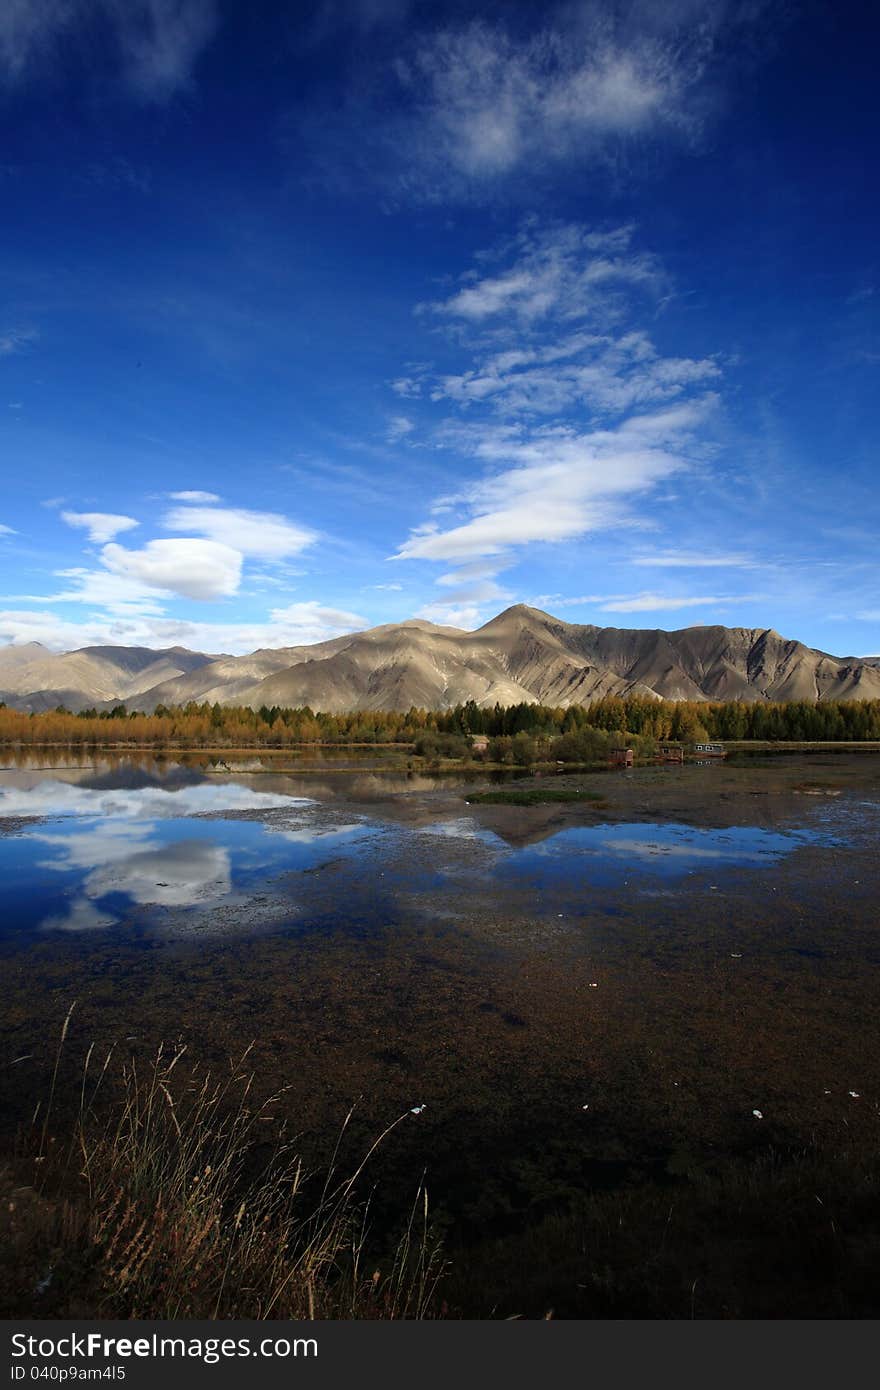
154	43
556	483
550	602
160	41
466	591
178	875
569	415
265	535
194	496
101	526
300	624
15	339
143	623
399	426
194	568
467	615
554	331
501	105
125	814
81	915
604	375
407	386
462	590
486	104
119	594
637	603
653	603
21	625
692	559
27	27
475	570
569	272
7	531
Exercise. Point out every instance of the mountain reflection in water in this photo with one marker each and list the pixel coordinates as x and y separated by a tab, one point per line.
176	850
610	853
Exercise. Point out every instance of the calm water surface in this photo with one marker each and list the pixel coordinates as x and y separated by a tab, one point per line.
92	846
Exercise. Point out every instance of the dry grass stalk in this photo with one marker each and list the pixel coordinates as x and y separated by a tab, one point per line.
186	1218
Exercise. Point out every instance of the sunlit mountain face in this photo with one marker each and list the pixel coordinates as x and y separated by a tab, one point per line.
522	654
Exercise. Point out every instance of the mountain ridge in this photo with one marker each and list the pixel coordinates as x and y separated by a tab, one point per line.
522	654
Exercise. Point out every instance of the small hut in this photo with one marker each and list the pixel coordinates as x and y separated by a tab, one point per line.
479	745
622	757
669	752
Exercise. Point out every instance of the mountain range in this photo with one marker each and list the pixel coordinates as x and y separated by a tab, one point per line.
520	655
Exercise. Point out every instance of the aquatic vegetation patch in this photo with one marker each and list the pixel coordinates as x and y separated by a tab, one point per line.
534	796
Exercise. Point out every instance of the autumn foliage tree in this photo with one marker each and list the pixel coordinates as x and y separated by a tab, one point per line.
524	731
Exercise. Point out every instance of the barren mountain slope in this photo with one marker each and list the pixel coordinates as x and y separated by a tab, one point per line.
522	654
233	680
92	674
394	668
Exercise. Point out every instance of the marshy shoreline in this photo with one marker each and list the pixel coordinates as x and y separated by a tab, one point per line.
590	1052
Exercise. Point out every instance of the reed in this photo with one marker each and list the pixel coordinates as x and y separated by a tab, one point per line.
183	1196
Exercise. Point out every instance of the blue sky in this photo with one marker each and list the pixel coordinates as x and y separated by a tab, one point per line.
334	314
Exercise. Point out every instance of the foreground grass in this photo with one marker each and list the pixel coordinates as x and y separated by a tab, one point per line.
171	1193
185	1199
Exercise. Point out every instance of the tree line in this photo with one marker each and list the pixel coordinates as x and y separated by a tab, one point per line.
639	717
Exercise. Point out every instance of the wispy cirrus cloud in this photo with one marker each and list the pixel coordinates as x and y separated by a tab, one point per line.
486	102
645	602
692	559
657	603
552	328
15	340
564	272
567	417
155	44
399	426
463	110
606	375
